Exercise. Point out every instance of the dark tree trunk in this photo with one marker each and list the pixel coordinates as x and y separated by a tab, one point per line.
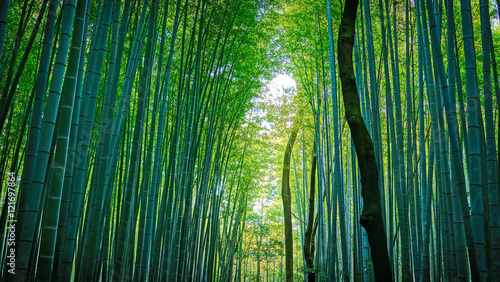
371	218
309	236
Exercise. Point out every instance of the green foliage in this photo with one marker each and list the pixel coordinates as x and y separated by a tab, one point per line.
196	169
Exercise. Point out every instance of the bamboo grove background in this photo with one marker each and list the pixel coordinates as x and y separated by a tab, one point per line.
144	143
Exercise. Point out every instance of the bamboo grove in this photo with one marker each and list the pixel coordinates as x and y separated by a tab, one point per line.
132	109
143	140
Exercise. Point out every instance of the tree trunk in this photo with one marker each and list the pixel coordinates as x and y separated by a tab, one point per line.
287	204
371	218
309	235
